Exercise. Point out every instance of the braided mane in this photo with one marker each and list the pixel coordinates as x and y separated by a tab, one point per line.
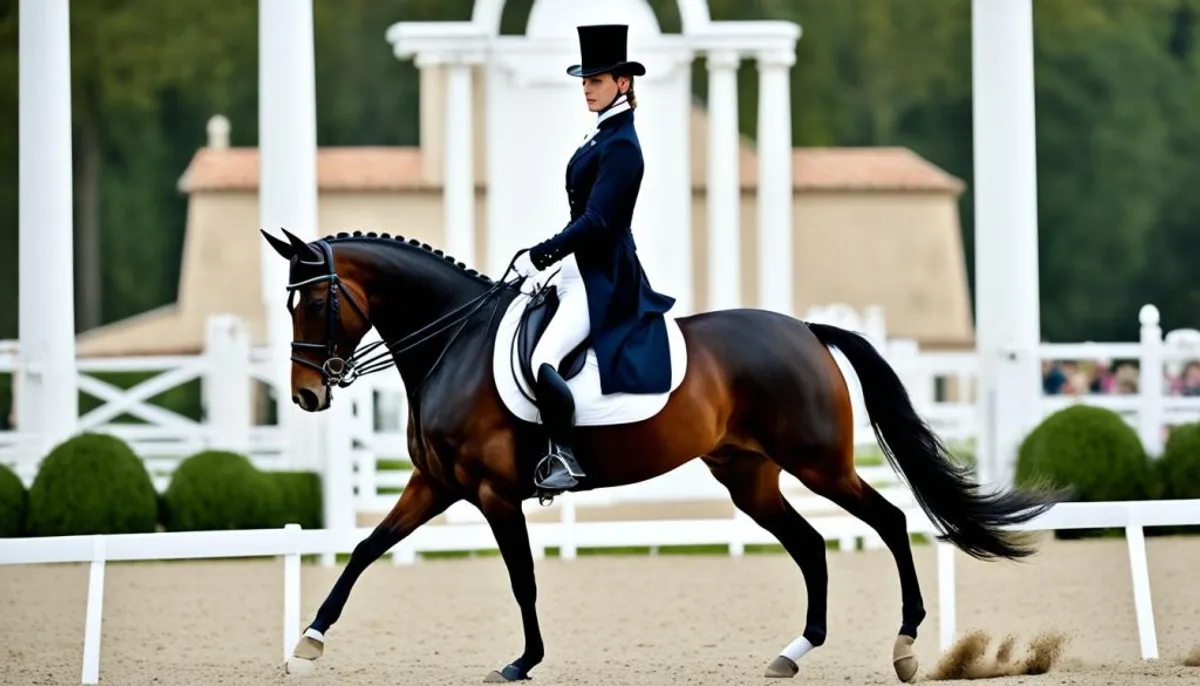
398	240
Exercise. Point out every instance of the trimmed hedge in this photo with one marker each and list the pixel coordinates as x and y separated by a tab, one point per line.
14	504
92	484
302	498
1090	449
220	490
1178	469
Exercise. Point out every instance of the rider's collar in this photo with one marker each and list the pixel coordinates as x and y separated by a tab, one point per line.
619	104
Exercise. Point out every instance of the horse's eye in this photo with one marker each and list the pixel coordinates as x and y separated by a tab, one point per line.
316	304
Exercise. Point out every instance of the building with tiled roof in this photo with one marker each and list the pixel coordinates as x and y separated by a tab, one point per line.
871	226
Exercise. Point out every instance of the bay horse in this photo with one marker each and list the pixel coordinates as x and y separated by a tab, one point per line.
762	393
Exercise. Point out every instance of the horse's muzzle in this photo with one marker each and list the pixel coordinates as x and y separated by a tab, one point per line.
307	400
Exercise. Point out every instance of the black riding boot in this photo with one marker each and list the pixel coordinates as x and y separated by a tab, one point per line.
558	470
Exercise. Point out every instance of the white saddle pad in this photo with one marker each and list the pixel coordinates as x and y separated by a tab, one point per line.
592	408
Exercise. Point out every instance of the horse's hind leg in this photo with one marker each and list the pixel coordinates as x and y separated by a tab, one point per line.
851	493
753	484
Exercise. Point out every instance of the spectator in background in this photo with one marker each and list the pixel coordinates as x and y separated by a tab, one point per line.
1103	379
1189	382
1053	377
1125	380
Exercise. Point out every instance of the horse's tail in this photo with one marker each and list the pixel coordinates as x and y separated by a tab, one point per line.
967	517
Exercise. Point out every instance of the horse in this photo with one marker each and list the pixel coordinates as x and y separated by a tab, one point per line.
761	394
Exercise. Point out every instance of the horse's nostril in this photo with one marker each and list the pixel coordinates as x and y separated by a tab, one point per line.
295	399
308	399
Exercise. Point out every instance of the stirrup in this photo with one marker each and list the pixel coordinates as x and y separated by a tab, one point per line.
554	466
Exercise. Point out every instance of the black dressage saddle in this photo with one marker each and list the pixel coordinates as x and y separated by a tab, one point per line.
538	312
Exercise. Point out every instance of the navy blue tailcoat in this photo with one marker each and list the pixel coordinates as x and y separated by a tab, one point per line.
628	331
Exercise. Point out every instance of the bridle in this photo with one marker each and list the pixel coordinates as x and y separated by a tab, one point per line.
341	372
334	369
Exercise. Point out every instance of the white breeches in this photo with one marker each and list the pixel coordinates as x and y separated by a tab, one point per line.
570	323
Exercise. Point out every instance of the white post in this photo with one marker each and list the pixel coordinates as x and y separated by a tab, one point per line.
93	618
287	134
48	401
775	186
458	194
1006	230
337	475
947	595
1151	411
227	384
291	592
724	182
1139	571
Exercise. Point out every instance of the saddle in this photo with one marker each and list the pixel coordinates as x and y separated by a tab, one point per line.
538	311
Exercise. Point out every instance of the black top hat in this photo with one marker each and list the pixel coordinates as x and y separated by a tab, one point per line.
602	49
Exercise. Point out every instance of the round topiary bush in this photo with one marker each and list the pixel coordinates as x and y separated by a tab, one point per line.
218	490
1178	469
1089	449
92	484
301	498
14	504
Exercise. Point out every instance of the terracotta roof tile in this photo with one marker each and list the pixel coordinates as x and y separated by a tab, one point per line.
401	168
879	168
345	168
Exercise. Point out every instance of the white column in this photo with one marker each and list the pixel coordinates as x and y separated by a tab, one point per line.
47	399
1006	252
724	183
458	194
287	140
775	188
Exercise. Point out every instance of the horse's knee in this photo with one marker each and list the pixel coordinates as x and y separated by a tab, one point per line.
376	543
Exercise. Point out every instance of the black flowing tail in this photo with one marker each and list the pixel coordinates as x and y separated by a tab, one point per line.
967	517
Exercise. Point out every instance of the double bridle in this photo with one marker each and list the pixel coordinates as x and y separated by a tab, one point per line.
341	372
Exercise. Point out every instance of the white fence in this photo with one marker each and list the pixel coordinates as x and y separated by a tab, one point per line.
292	542
368	454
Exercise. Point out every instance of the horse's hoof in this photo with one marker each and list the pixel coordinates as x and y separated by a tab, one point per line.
309	647
781	668
904	660
509	673
298	666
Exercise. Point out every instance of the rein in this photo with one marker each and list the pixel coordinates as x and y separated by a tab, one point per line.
343	372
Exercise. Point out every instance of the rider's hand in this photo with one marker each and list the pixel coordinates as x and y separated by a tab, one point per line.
523	266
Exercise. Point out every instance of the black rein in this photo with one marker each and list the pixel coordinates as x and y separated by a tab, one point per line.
342	372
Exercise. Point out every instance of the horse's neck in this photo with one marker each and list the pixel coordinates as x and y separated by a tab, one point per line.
418	319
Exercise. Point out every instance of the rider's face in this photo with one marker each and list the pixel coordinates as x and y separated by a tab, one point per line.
602	89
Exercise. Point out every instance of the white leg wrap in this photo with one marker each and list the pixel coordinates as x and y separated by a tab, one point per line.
315	635
796	649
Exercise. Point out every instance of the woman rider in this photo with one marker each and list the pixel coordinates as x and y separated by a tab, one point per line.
603	292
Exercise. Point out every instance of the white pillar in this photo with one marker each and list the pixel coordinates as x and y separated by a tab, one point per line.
47	402
287	141
724	182
775	187
1006	251
458	194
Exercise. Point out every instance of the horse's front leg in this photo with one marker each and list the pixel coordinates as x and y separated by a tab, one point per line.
507	521
420	502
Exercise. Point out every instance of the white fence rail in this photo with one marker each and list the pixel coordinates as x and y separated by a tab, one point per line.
292	542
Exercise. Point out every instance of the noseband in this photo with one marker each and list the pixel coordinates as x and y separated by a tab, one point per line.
343	371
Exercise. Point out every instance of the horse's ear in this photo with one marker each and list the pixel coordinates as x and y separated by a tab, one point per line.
285	249
302	249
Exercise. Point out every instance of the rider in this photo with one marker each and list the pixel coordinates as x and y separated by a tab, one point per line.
603	291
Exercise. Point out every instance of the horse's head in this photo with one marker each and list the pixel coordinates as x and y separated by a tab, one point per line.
324	330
